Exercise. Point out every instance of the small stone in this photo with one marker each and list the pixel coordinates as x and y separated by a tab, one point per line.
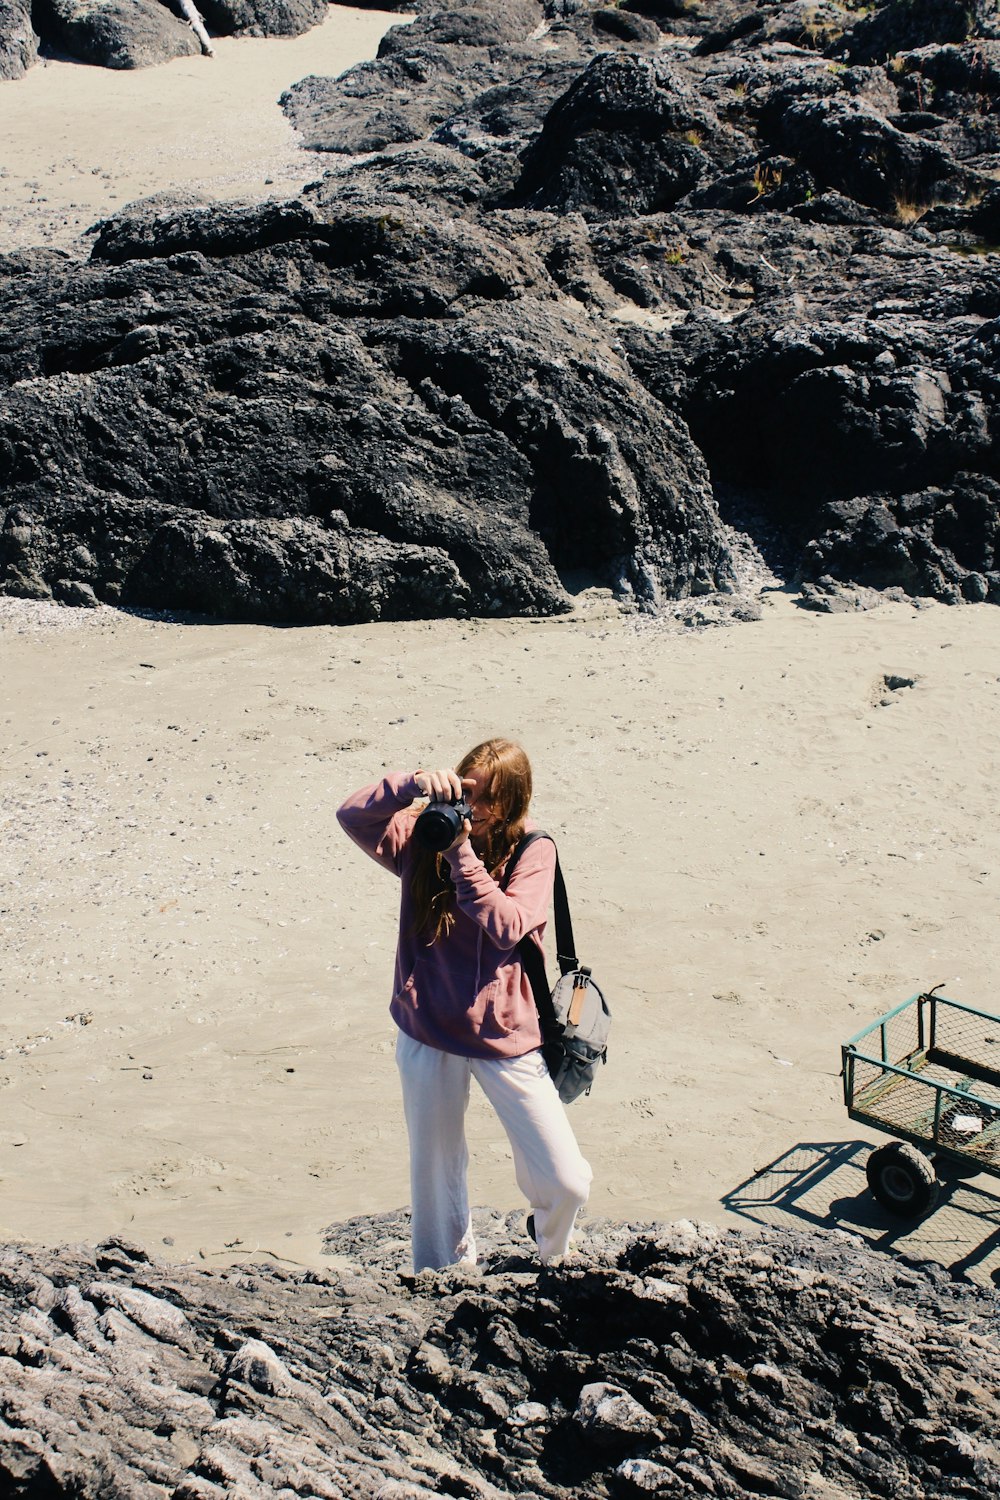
529	1414
75	593
642	1475
608	1414
768	1375
256	1364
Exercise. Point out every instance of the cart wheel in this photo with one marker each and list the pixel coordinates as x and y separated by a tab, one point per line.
902	1179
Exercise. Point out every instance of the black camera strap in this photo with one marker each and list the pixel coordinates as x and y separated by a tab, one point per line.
529	951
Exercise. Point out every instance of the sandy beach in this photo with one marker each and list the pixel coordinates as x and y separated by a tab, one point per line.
766	848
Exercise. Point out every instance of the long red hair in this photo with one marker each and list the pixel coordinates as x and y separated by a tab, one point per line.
506	772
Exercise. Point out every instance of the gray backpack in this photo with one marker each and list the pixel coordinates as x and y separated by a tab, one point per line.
575	1017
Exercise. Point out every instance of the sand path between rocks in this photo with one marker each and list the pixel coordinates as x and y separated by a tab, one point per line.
766	847
77	143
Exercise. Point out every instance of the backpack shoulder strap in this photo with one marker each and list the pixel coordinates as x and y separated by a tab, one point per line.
565	943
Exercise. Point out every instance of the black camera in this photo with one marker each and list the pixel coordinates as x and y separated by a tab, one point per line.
440	823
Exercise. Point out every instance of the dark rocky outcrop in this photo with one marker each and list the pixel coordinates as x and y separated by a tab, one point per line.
386	102
848	145
901	25
661	1360
114	33
18	42
334	386
571	298
138	33
629	137
911	542
164	556
262	17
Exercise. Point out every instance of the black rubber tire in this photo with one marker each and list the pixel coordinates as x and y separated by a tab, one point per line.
902	1179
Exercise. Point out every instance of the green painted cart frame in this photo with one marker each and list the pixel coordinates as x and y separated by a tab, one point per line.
928	1073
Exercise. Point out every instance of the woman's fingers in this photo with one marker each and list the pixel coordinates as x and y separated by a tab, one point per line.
450	787
441	786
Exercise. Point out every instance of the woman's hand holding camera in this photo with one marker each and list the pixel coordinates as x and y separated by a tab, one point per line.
446	786
439	786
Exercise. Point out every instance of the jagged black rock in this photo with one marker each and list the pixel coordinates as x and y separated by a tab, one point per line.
668	1360
573	293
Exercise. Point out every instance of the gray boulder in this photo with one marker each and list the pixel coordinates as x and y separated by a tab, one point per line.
629	136
18	43
115	33
428	73
482	24
388	101
262	17
851	147
626	26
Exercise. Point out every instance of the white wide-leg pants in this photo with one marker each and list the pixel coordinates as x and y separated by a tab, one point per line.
550	1170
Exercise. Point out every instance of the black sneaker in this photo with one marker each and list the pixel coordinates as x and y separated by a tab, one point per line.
529	1225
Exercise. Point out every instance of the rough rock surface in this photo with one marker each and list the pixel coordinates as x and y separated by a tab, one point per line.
115	33
581	286
262	17
18	43
143	446
668	1360
903	24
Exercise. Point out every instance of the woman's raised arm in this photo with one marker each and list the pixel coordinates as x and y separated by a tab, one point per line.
505	916
371	817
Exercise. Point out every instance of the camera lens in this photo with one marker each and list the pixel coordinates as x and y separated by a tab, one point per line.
438	826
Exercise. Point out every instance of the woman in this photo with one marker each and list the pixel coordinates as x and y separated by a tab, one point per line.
462	1002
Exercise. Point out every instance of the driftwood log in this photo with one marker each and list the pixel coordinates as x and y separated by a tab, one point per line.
197	25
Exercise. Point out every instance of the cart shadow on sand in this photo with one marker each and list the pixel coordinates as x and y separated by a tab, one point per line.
927	1073
824	1184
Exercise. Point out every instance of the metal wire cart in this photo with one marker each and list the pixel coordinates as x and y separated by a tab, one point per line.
928	1073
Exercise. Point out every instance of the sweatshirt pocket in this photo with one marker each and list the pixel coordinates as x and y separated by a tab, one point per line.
505	1012
406	993
499	1018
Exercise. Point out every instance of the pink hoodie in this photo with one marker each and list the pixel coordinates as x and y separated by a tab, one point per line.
466	993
